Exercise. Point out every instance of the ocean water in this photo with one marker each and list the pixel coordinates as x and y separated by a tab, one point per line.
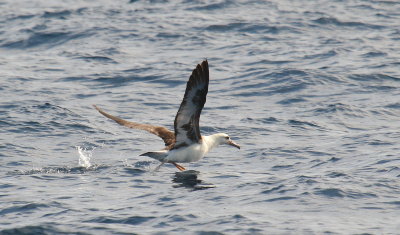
309	89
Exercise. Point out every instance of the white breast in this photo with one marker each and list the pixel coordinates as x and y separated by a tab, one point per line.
192	153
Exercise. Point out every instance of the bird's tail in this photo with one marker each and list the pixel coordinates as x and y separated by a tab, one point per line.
159	155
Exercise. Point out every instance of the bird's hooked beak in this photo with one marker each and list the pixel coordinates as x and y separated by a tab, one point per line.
230	142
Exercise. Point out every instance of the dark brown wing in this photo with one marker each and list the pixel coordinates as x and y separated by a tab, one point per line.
186	123
162	132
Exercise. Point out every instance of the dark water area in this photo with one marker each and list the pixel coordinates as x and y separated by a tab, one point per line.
309	89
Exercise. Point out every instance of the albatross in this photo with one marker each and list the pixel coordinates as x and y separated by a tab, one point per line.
184	144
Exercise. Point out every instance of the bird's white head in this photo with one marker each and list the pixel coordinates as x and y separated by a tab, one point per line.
223	138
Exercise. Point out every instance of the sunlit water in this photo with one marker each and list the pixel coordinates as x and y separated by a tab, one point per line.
309	89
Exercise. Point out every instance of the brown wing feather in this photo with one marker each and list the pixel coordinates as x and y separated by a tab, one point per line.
162	132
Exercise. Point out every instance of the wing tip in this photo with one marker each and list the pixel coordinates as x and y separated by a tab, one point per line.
204	63
99	110
202	70
204	66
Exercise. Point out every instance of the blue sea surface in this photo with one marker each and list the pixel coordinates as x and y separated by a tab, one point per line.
309	89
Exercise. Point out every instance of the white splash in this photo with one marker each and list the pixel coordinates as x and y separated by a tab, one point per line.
84	157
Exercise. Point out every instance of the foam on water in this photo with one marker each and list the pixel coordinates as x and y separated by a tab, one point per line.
84	156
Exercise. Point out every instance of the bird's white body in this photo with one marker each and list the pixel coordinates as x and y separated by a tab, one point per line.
194	152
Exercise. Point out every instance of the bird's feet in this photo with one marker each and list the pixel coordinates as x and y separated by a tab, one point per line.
181	168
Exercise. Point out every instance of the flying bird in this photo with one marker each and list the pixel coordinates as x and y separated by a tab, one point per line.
184	144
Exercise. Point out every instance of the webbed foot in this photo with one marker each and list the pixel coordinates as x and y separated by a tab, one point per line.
181	168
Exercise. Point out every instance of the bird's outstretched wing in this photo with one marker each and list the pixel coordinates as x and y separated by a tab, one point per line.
165	134
186	123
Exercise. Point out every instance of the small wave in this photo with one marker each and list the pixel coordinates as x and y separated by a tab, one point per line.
26	207
39	229
373	54
307	180
393	106
212	6
57	170
21	17
102	59
334	192
303	124
361	195
336	174
134	171
249	28
75	79
284	198
341	108
336	22
224	27
62	120
373	77
276	189
323	55
330	192
281	167
168	35
277	83
268	120
48	39
116	81
264	62
291	101
397	203
57	14
133	220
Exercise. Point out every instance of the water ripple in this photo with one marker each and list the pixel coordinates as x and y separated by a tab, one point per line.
47	39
